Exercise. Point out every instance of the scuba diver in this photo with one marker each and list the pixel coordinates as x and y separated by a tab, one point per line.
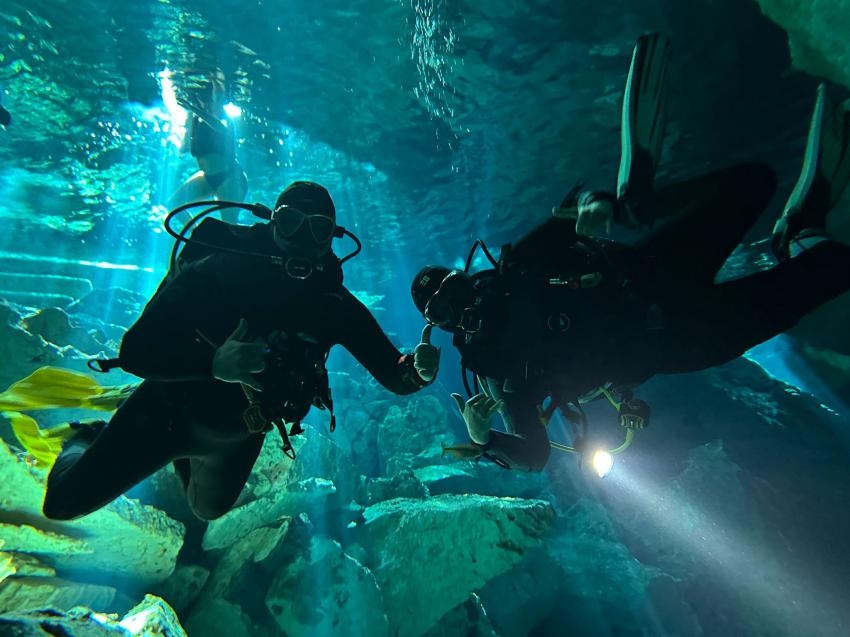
212	142
234	342
563	318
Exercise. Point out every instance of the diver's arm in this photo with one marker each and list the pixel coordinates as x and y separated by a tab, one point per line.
202	115
163	343
360	334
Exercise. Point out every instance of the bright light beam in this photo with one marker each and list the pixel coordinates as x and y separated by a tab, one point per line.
787	599
176	113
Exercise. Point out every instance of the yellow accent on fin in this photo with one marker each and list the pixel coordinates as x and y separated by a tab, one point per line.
43	444
463	452
52	387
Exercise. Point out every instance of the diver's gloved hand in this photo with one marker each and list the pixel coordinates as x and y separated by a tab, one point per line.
594	216
426	357
634	414
239	358
477	413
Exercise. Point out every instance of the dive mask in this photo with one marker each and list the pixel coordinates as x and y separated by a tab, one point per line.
288	221
453	304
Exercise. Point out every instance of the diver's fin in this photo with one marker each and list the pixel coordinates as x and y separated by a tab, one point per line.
45	444
464	451
823	179
55	387
643	124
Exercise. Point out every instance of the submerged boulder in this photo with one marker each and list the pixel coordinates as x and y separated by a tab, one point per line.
55	326
817	36
285	502
412	435
152	617
468	619
326	592
429	555
123	541
23	352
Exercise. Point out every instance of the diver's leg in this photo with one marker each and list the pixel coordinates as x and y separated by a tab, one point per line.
710	215
737	315
216	480
526	445
138	440
233	188
195	188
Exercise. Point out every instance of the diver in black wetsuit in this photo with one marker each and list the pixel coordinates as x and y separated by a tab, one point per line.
227	346
212	142
564	317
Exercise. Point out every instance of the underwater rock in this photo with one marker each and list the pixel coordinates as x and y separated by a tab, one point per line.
118	306
285	502
327	592
412	435
135	543
518	601
483	478
22	352
582	560
233	569
152	617
55	326
215	617
429	555
361	405
18	593
279	486
78	622
321	457
317	456
403	484
247	568
183	587
818	41
468	619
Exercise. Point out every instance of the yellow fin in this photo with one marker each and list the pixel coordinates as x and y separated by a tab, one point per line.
463	452
52	387
43	444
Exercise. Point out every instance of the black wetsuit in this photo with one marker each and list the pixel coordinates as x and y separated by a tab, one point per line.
180	412
654	309
205	140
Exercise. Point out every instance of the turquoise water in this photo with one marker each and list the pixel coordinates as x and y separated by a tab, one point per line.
432	123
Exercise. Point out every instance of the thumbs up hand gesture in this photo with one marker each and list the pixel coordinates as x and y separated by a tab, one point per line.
426	357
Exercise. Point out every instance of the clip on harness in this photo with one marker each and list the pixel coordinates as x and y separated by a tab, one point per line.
256	421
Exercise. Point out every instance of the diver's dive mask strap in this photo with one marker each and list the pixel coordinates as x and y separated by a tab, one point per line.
257	209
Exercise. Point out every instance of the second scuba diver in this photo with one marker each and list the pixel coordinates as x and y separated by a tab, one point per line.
212	142
233	342
563	318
